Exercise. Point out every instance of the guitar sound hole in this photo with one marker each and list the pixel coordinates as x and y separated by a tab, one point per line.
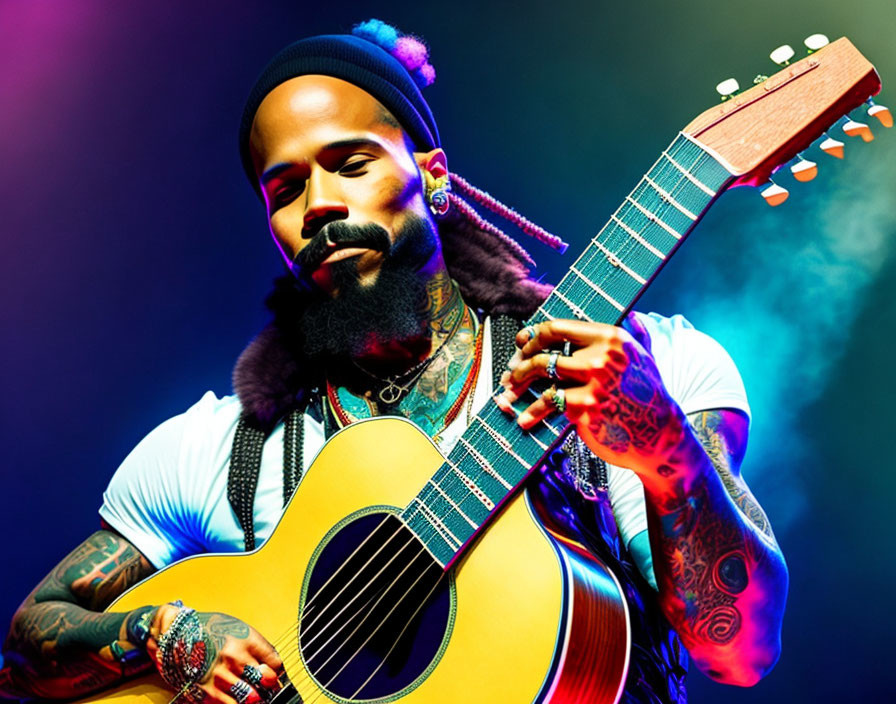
377	610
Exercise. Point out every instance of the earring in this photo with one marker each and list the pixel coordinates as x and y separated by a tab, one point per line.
437	193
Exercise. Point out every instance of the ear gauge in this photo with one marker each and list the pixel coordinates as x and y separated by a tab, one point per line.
437	193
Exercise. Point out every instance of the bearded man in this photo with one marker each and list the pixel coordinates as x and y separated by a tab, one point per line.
401	300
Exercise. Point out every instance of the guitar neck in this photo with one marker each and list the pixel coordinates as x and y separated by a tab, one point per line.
494	455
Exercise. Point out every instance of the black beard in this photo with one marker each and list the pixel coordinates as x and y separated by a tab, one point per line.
393	308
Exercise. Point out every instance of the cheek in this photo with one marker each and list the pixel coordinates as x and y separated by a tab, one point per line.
286	229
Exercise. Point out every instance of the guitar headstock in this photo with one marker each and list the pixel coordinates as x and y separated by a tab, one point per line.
755	132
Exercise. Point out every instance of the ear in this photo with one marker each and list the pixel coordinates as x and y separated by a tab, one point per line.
434	163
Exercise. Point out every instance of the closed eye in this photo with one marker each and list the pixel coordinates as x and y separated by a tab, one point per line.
286	193
355	166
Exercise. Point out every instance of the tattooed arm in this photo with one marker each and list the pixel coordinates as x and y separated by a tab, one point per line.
58	645
722	579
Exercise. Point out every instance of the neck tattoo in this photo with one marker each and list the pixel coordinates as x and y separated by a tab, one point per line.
445	321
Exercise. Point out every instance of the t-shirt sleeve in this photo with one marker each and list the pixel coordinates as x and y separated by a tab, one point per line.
696	370
147	500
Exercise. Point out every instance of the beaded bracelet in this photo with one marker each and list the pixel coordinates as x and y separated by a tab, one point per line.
183	650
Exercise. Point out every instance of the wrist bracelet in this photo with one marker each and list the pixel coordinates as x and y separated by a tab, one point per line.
137	627
183	650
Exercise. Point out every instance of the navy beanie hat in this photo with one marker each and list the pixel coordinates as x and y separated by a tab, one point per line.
358	61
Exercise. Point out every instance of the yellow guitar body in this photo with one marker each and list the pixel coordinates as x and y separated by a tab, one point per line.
535	618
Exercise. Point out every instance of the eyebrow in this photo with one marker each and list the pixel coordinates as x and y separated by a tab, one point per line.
340	145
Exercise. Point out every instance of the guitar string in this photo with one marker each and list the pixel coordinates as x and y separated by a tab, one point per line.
310	624
295	657
345	642
295	647
410	620
664	207
382	595
290	631
357	594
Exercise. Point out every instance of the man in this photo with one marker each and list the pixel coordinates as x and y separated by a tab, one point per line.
400	299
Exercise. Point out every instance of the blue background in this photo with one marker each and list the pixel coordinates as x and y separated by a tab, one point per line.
134	256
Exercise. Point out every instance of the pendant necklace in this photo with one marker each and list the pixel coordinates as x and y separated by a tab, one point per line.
397	385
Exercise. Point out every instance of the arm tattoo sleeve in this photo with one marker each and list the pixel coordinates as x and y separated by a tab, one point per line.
54	642
718	556
711	433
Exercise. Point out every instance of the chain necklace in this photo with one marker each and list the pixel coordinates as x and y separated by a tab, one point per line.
397	385
344	418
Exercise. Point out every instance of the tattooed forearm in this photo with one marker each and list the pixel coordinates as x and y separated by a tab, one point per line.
58	645
722	579
711	432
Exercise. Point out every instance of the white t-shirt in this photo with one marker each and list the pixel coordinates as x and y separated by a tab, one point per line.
169	496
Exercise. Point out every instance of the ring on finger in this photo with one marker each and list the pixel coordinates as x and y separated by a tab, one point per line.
567	348
531	330
551	368
240	690
558	398
252	675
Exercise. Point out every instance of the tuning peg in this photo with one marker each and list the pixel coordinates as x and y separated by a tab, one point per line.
774	194
815	42
728	88
881	113
782	55
858	129
804	170
832	146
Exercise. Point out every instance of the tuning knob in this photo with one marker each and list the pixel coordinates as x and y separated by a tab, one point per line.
815	42
774	194
782	55
728	88
858	129
804	170
881	113
832	146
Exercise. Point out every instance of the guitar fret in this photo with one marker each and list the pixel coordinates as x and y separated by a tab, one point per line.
617	262
502	441
649	247
538	442
576	310
454	505
653	217
666	196
484	463
690	177
545	313
440	527
471	485
597	289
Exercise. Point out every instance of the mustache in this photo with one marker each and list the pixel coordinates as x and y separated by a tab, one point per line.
341	234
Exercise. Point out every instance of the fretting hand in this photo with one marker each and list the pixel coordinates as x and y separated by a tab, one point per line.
610	388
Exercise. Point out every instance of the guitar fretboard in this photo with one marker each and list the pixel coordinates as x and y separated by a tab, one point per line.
495	455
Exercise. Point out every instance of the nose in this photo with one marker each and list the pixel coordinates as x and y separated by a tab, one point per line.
324	202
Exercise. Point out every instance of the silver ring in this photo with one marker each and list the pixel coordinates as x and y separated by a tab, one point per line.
559	400
531	330
252	675
551	369
240	691
567	348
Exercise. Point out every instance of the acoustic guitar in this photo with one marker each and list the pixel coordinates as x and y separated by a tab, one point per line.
399	574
